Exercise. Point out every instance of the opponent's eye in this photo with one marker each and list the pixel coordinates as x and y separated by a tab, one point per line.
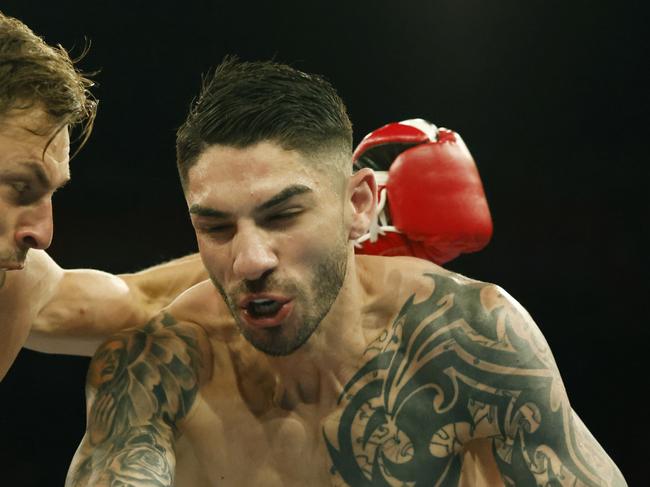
20	187
24	192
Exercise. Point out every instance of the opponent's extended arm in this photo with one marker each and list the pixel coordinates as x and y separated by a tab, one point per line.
464	370
89	305
140	384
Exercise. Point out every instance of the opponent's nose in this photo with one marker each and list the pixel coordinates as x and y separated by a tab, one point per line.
36	229
253	255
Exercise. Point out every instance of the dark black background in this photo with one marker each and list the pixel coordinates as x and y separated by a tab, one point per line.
550	97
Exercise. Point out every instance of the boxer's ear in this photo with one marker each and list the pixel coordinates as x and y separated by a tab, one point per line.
362	194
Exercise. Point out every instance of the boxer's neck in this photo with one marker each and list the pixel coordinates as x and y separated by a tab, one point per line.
317	371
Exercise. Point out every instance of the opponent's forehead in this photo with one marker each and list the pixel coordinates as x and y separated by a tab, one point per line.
30	141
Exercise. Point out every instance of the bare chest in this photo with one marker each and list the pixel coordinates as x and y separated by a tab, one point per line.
237	448
400	420
287	449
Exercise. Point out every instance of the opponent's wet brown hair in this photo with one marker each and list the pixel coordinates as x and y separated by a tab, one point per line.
35	74
243	103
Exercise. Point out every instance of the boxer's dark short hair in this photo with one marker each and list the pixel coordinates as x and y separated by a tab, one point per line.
35	74
243	103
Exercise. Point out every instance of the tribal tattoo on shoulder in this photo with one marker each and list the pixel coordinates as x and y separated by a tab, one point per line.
465	363
140	384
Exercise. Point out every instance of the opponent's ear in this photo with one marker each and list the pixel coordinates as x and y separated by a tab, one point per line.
362	191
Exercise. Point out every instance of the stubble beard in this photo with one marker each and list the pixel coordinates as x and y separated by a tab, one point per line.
13	257
316	301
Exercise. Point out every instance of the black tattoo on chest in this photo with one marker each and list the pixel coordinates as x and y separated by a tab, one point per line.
462	364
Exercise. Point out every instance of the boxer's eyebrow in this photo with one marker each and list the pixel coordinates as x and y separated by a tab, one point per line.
284	195
199	210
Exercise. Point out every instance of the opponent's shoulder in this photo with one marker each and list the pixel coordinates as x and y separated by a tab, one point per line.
37	281
23	293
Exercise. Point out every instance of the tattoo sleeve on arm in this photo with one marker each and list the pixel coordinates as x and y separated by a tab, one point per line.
464	364
140	384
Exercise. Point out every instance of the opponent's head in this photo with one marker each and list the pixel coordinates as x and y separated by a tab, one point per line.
41	96
265	161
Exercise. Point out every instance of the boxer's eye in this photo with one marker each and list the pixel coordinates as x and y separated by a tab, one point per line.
284	216
219	228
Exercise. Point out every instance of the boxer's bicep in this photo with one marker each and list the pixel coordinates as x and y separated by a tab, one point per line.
140	384
541	440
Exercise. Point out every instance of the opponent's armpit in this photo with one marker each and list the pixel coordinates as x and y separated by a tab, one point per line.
140	384
465	363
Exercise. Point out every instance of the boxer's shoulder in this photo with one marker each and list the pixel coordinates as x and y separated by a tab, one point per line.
474	299
181	323
429	296
203	305
410	277
164	344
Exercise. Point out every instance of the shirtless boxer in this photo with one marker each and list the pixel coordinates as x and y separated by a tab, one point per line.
42	96
301	364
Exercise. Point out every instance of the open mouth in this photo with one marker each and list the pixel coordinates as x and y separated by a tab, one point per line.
265	311
263	308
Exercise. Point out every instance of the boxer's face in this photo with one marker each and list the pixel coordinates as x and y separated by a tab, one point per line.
272	233
28	178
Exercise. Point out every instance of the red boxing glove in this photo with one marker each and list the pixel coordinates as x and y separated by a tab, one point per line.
431	199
